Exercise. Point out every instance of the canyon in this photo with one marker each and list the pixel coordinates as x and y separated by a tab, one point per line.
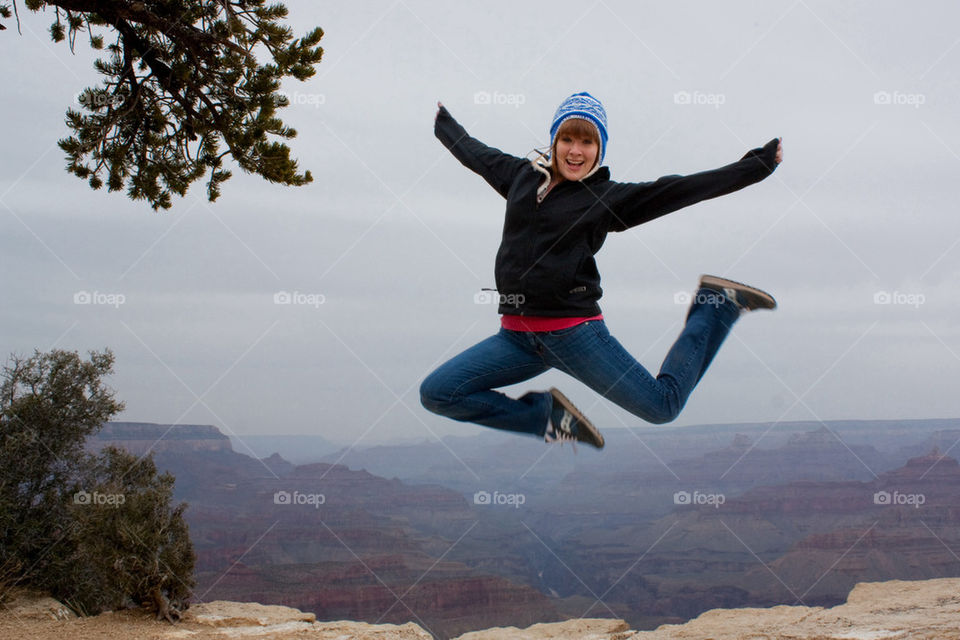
483	532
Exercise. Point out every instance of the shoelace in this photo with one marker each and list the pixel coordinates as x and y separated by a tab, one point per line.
552	435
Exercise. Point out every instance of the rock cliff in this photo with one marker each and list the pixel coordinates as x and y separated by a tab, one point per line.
896	610
140	438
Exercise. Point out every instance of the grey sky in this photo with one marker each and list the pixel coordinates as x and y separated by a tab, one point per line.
397	237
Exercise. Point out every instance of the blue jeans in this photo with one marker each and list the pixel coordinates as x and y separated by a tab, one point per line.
463	387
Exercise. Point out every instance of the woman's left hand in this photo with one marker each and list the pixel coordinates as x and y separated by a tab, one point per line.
779	157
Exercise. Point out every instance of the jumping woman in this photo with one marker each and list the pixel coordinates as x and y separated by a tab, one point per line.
560	207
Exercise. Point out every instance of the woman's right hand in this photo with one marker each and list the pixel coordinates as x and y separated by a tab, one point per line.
439	106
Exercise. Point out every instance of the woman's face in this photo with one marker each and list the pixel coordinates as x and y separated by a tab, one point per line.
575	155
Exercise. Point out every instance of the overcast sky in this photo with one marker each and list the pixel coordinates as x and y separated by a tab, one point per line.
395	237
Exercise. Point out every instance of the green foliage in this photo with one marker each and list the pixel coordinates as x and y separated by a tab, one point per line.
182	89
130	545
49	404
98	532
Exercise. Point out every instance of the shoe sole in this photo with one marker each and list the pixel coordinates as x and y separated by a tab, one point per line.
752	298
582	419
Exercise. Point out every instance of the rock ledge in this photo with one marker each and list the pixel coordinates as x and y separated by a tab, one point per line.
895	610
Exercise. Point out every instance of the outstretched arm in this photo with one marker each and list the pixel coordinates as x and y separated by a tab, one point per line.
636	203
496	167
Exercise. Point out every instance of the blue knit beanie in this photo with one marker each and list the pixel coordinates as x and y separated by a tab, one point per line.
582	105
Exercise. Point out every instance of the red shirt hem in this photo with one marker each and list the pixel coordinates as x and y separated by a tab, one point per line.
542	323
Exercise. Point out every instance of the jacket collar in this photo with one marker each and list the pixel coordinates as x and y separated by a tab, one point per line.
598	174
603	173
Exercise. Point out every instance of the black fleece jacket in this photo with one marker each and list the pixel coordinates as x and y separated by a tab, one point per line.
545	265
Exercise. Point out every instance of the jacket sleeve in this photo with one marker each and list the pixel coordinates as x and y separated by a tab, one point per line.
635	203
496	167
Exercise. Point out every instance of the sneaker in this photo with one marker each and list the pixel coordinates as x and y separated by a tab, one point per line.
743	295
568	424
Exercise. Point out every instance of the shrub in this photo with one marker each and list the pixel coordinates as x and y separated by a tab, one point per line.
98	532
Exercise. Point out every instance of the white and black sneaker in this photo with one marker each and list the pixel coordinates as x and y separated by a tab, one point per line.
743	295
568	424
